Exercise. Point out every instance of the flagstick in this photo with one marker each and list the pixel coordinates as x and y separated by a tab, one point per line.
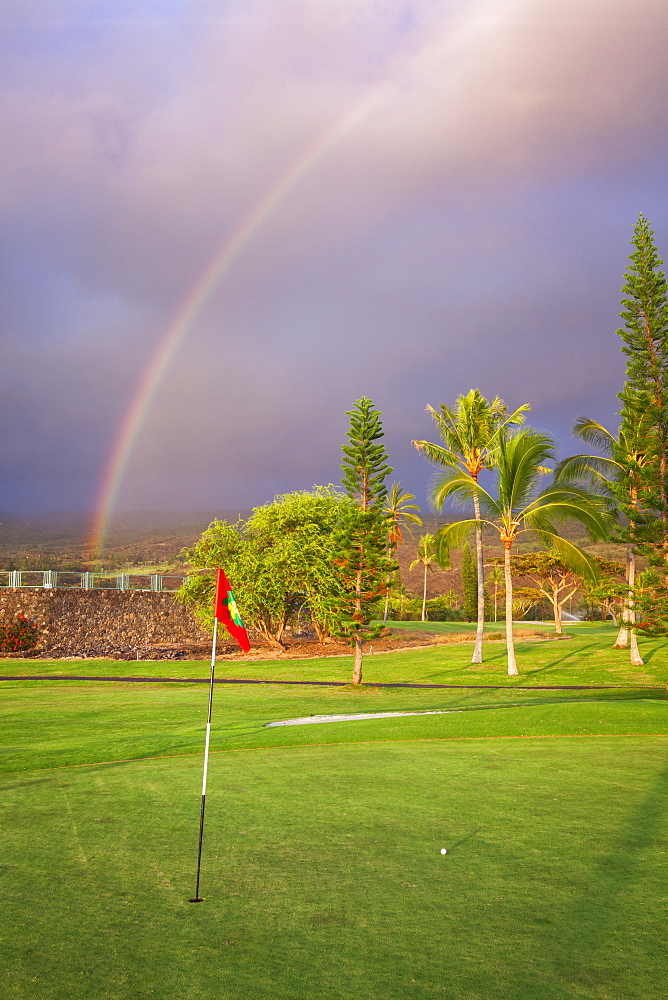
197	898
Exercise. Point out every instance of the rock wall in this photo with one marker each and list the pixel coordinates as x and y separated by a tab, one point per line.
103	622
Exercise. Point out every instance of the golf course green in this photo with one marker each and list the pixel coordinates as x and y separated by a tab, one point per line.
322	872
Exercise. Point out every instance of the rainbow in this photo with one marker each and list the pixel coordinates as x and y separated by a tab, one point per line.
226	256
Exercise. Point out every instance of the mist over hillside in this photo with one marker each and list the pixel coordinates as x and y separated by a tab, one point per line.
134	538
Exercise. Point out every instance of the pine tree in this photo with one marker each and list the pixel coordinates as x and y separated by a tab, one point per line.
469	584
645	336
361	539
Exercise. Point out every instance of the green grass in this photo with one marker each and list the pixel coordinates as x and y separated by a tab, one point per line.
322	873
586	658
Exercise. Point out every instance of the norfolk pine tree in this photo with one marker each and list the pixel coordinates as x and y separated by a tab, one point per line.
361	539
469	576
636	460
618	475
645	337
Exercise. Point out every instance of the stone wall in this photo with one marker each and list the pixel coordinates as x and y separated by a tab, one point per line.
103	622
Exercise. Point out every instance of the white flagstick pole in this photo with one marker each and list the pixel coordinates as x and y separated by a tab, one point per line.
197	898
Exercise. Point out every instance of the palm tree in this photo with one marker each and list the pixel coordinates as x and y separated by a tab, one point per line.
619	470
470	431
521	507
397	511
430	550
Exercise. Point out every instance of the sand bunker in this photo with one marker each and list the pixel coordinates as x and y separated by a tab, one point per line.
314	719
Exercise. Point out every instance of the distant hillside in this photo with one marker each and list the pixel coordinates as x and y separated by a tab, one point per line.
134	539
155	539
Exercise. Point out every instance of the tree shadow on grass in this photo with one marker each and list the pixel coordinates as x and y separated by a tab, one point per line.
589	947
572	654
649	654
601	697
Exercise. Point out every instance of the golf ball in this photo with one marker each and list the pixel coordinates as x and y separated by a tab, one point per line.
443	850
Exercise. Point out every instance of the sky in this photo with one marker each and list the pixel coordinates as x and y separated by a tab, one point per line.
224	221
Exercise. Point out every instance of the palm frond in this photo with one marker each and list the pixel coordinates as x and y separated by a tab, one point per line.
442	550
456	534
595	434
459	487
600	473
573	556
436	453
519	457
542	515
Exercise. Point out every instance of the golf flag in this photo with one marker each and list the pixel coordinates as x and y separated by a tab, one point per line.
225	611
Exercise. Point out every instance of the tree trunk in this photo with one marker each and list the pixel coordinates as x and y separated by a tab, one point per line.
477	649
424	593
636	658
622	639
387	592
510	639
265	630
557	619
357	666
322	633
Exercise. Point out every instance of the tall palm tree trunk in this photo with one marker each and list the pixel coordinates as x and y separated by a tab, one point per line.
510	639
477	649
424	594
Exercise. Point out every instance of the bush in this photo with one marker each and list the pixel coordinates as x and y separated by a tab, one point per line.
409	609
400	609
440	609
17	634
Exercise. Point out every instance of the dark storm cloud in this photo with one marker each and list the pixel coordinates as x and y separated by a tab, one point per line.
468	228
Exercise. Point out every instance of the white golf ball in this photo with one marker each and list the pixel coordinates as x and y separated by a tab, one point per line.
443	850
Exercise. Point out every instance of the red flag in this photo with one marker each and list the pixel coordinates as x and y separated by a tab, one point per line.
225	610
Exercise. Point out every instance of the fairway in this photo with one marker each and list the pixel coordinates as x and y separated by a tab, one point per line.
322	874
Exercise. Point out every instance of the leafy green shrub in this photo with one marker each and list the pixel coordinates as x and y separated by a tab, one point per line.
409	609
402	609
441	609
17	634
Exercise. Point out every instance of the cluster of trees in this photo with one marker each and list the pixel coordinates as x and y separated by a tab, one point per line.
479	435
324	556
620	493
556	582
328	555
629	469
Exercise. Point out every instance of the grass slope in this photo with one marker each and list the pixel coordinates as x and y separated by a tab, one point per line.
585	658
323	875
322	871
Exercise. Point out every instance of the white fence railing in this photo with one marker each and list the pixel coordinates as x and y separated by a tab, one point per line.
49	579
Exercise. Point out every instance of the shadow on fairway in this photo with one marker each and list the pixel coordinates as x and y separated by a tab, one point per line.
572	654
463	840
585	956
